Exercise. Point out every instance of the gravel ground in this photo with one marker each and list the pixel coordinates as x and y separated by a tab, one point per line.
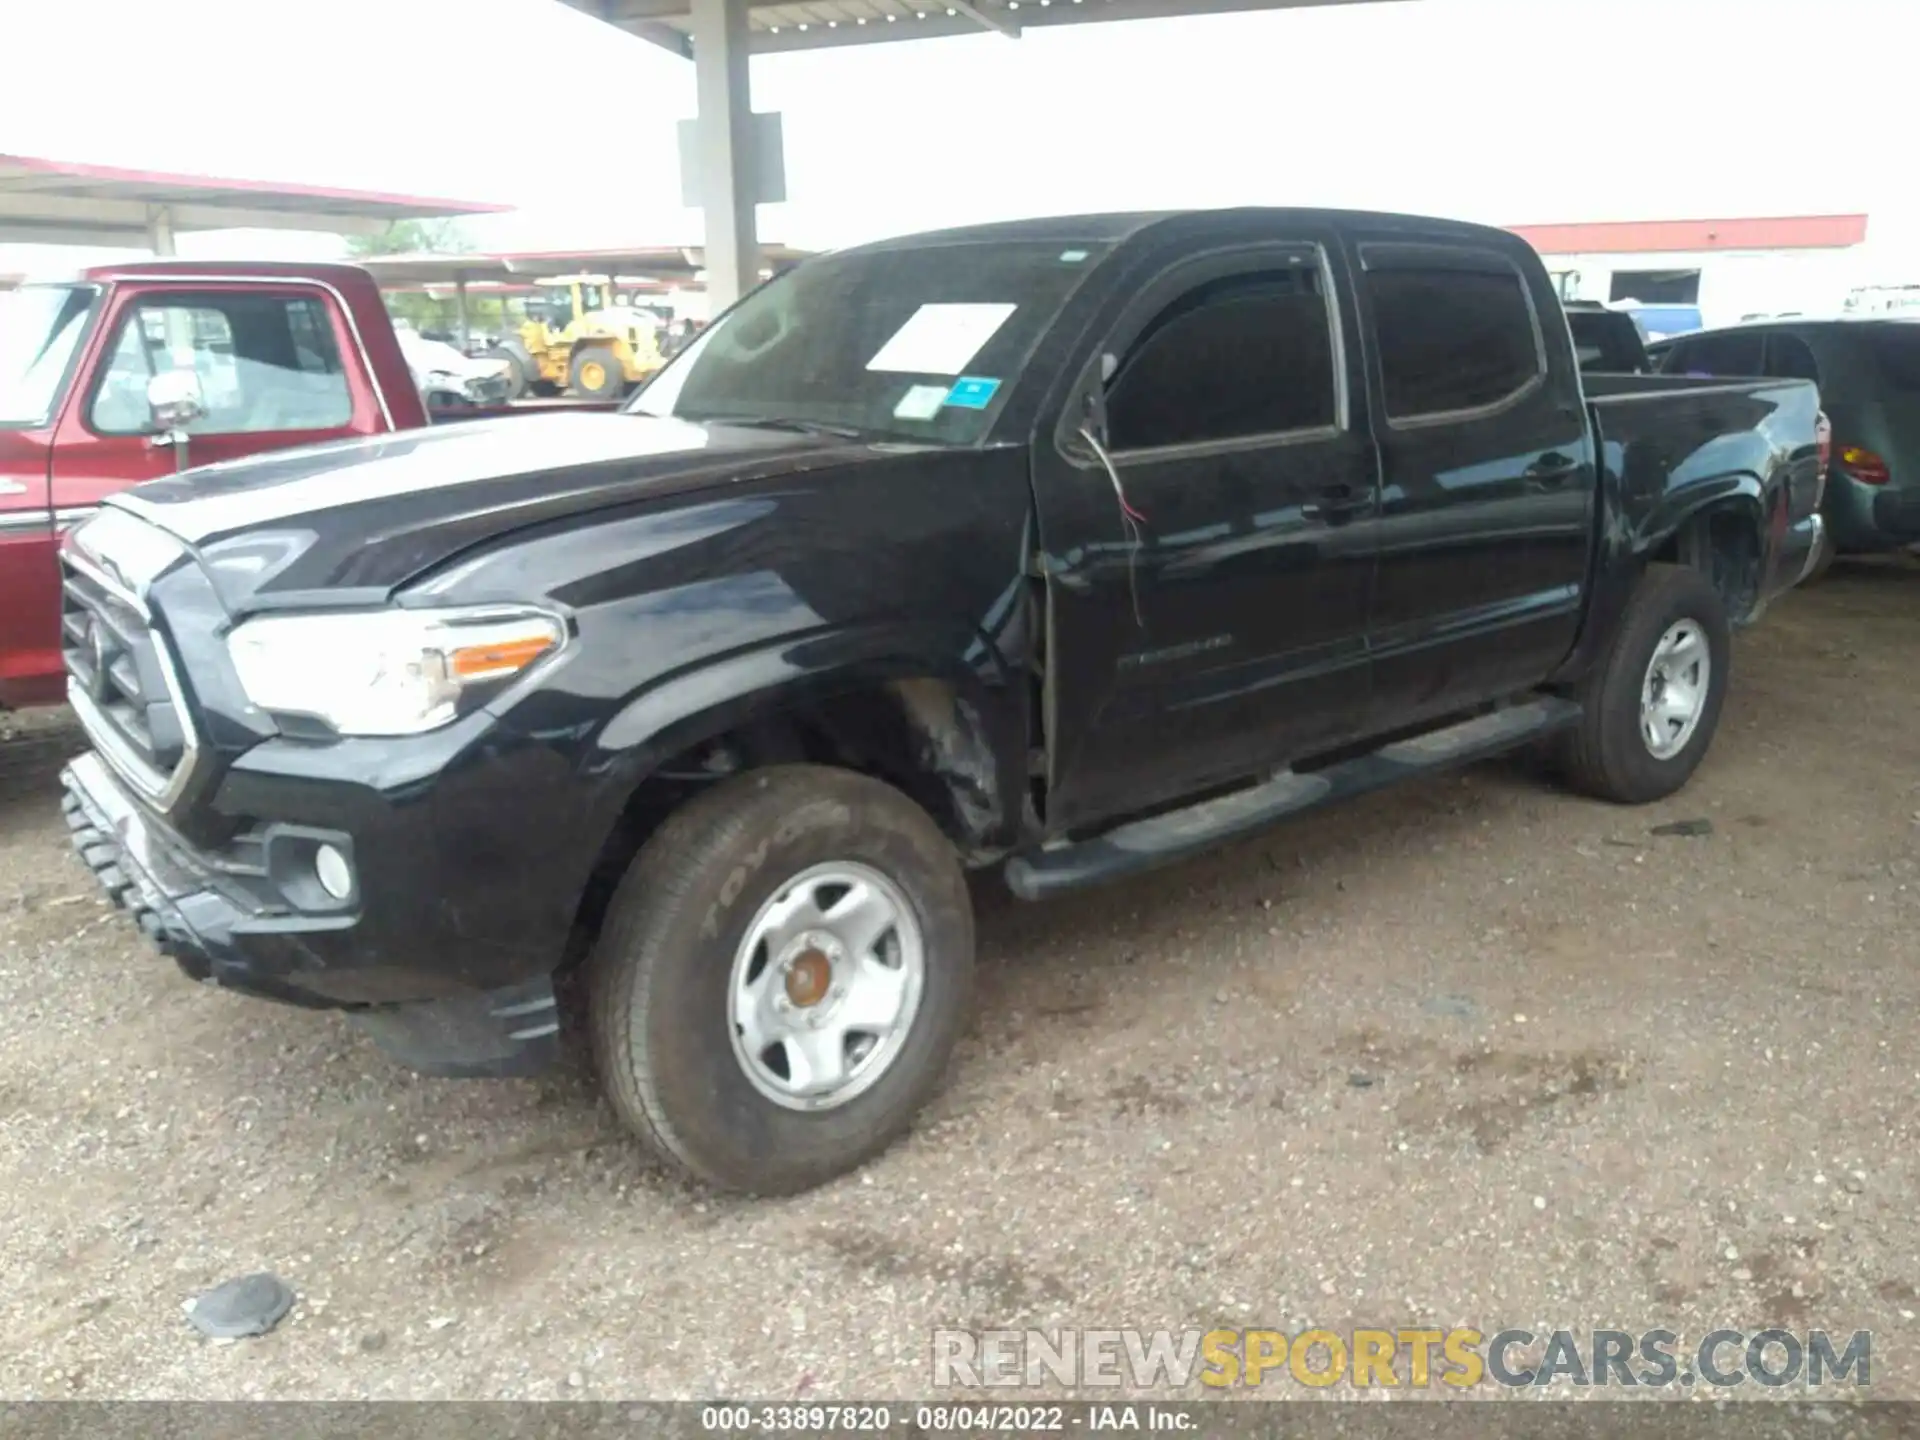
1472	1052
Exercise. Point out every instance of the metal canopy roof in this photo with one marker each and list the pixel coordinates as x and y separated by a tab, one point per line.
663	262
55	202
666	263
821	23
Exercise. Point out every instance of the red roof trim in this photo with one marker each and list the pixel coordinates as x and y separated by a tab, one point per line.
211	186
1625	237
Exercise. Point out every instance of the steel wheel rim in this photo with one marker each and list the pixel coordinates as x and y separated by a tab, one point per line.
825	986
1673	695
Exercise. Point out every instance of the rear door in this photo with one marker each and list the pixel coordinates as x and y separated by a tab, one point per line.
269	361
1208	573
1487	477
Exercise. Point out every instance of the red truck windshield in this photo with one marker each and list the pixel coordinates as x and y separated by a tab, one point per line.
40	327
912	343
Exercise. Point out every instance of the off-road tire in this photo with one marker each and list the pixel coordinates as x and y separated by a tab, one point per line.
1605	755
658	975
613	382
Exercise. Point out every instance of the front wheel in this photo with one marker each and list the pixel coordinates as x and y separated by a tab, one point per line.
1649	709
781	979
596	374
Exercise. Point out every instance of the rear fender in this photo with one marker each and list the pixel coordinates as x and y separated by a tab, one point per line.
1671	514
1630	541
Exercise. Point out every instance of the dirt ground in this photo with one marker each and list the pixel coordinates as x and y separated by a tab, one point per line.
1470	1053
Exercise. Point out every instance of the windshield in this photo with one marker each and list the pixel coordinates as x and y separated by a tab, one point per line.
909	343
552	307
40	327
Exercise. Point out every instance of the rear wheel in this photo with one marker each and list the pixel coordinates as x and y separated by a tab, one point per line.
595	374
1649	709
781	978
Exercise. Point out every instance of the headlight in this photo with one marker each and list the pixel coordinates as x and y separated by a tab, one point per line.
388	672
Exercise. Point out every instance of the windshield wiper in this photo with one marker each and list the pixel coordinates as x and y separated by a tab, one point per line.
784	422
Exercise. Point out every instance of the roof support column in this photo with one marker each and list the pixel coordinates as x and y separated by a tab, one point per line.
160	231
460	311
728	168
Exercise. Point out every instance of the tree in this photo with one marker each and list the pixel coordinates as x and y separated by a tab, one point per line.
412	237
427	237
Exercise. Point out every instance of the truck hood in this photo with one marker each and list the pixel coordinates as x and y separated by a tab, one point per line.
365	516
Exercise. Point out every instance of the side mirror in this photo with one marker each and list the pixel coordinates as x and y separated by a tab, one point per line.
175	401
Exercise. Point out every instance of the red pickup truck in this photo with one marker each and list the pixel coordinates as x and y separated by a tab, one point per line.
130	372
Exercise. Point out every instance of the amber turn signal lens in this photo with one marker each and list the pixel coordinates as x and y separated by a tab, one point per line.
500	658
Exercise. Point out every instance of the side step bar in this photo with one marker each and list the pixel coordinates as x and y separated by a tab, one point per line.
1163	839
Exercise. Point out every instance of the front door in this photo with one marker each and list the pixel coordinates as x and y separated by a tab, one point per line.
1208	558
268	362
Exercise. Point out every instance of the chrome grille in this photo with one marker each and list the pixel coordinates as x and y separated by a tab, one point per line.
119	682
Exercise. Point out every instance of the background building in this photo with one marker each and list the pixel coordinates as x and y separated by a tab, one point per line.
1726	270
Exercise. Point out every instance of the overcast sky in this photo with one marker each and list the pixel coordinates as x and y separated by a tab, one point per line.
1506	111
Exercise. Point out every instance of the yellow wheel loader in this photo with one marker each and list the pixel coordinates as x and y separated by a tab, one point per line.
576	340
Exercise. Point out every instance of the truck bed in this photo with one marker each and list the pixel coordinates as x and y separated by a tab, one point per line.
1665	440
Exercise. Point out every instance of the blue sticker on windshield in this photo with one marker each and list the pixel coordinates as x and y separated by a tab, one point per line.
970	392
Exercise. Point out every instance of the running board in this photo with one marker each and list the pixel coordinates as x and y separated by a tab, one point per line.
1163	839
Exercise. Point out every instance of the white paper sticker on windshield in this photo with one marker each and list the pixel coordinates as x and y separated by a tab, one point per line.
941	339
921	402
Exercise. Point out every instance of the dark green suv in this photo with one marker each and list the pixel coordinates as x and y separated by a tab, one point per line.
1868	370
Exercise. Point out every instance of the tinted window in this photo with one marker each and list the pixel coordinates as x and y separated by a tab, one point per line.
1606	342
1896	355
1731	354
1249	355
264	362
1452	339
1789	357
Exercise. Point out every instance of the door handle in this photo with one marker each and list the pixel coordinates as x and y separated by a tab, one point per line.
1551	470
1344	498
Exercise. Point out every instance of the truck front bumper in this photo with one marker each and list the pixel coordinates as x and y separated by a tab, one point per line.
216	927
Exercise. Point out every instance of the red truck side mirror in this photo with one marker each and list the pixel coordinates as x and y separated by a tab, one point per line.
175	401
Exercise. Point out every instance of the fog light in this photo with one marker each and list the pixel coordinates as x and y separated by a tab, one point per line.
334	874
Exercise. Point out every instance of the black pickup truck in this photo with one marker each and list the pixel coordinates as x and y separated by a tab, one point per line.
1067	546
